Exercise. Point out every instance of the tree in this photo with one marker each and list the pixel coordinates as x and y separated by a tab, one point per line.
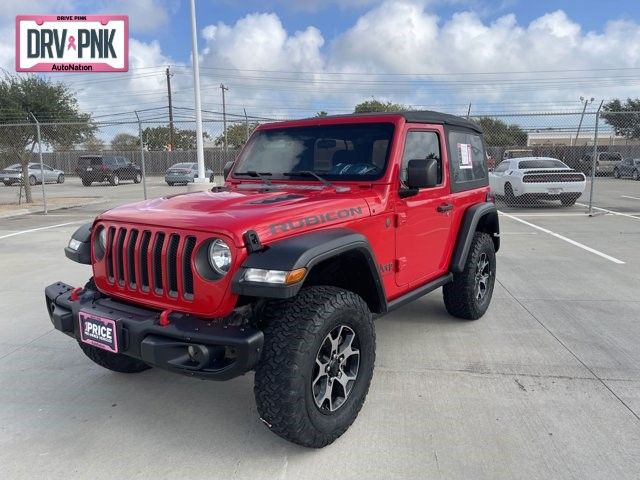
623	117
499	134
157	138
53	103
125	142
321	114
237	134
93	145
375	106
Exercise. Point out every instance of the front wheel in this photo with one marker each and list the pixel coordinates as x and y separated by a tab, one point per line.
509	196
32	180
137	178
316	365
635	175
60	178
469	295
113	361
86	183
114	180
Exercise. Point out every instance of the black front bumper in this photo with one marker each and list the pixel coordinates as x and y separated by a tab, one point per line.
224	351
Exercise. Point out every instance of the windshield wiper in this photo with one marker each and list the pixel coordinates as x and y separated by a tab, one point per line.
253	173
308	173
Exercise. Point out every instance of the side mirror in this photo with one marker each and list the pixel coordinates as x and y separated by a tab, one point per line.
227	168
422	173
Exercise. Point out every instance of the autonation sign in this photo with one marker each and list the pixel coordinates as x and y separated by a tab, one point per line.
72	43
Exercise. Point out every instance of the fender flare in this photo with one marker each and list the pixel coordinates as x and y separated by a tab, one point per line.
83	253
482	217
306	250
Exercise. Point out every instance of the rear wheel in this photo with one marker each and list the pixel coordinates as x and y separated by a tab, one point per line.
316	366
469	295
170	184
137	178
113	361
86	183
60	178
32	180
616	173
114	180
8	184
635	175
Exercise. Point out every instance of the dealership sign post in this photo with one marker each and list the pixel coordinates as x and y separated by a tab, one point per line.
72	43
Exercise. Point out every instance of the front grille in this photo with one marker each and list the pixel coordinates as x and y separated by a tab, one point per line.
549	177
150	262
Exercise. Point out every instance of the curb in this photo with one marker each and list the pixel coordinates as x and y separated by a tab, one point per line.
40	209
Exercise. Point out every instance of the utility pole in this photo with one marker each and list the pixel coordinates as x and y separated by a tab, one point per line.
170	108
246	126
224	119
196	90
586	102
469	111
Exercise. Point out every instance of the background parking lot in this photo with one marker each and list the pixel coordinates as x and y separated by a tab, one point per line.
546	385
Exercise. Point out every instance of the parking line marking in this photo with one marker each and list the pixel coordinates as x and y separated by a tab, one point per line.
568	240
548	214
36	229
631	197
612	212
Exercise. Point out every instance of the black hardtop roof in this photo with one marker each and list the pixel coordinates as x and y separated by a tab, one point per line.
421	116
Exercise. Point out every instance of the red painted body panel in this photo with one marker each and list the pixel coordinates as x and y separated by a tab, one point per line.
409	234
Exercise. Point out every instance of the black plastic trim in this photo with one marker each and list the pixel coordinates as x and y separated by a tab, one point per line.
304	250
83	253
419	292
468	227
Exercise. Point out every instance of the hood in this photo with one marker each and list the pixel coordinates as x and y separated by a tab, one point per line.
272	214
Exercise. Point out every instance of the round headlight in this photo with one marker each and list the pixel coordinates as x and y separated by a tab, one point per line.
102	238
220	256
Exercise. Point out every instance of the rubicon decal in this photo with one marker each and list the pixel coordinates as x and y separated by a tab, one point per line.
315	219
68	43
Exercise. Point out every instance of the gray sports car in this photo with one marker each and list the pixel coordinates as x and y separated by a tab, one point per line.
13	174
184	173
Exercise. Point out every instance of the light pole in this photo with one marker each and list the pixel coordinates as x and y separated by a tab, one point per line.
586	102
196	86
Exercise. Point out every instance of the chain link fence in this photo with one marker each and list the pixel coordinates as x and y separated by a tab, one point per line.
599	155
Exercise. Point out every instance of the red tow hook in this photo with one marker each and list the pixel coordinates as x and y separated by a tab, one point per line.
75	293
164	318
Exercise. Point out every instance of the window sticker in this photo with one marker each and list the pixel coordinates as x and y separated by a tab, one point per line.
465	155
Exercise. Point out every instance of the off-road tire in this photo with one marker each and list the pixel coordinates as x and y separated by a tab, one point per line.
294	330
114	180
460	295
113	361
86	183
137	178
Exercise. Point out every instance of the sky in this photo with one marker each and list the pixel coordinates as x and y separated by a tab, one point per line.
288	59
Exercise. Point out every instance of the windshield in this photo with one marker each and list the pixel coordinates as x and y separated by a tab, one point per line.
519	153
544	163
183	165
335	152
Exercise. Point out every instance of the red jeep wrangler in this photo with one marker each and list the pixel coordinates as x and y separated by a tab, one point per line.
323	225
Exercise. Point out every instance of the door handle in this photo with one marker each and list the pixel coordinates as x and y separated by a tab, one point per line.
445	207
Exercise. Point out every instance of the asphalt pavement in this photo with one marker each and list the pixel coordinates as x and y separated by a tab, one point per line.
545	386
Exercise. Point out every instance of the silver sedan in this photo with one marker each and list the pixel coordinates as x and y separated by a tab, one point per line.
183	173
13	174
